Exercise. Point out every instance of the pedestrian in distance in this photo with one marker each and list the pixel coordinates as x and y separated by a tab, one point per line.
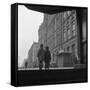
26	64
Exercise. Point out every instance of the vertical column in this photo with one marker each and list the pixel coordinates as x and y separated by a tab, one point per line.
79	16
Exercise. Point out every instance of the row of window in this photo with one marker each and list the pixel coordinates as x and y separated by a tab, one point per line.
56	24
70	32
67	13
67	35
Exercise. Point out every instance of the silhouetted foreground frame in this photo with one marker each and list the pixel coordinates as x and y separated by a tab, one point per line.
44	77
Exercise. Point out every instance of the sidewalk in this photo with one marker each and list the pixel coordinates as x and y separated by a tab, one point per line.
49	68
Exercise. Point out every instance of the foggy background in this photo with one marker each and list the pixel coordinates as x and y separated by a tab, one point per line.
28	25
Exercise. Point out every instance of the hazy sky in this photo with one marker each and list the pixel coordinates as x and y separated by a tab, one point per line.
28	25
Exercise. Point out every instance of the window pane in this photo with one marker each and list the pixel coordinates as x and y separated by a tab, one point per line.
73	29
73	49
73	26
65	36
69	34
68	49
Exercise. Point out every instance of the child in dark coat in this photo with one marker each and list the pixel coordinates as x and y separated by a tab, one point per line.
47	58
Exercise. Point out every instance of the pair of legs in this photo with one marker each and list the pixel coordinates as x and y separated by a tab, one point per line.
47	64
40	65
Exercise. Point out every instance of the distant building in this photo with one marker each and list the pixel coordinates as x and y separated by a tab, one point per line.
23	64
32	56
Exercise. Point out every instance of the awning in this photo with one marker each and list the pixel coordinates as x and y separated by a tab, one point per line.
49	9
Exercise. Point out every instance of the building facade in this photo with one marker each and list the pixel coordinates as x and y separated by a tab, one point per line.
60	33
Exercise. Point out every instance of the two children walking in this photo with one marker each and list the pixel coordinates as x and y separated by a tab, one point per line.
44	56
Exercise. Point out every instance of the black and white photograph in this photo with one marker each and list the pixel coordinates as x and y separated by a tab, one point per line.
51	40
49	44
44	44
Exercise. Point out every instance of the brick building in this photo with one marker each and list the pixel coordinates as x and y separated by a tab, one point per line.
59	32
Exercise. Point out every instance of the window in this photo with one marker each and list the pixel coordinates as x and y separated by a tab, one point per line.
65	31
73	29
68	12
73	18
55	24
65	14
68	49
73	26
57	20
73	49
69	34
55	39
52	56
65	37
68	29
